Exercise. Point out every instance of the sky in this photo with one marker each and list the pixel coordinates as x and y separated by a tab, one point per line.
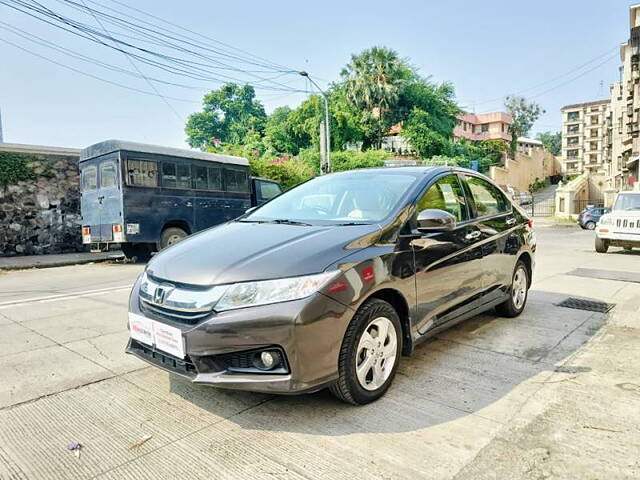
554	52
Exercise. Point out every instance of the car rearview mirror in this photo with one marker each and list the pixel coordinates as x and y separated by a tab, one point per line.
433	220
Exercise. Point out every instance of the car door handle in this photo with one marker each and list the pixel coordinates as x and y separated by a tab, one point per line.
511	221
472	235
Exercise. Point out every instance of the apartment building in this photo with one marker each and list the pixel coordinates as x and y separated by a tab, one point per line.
483	126
625	111
585	137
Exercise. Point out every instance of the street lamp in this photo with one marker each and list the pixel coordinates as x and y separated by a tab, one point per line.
327	138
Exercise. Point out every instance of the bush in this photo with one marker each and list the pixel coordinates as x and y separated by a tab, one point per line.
346	159
289	172
15	167
538	184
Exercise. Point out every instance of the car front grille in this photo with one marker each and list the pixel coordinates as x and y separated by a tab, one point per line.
632	224
163	360
167	313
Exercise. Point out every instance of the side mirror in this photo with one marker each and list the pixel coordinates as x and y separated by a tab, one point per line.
433	220
250	209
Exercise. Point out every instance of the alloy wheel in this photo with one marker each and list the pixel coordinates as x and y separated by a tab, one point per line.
519	288
376	353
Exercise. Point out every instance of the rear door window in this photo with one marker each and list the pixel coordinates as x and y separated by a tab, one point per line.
108	175
488	199
200	181
89	178
236	180
142	173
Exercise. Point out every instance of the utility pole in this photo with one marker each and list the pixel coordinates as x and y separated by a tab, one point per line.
325	166
1	138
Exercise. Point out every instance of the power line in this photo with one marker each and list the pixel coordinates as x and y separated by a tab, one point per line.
144	92
186	68
153	87
546	82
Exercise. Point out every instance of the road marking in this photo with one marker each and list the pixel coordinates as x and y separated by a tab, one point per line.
62	296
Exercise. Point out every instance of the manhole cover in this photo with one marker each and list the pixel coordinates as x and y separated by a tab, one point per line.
588	305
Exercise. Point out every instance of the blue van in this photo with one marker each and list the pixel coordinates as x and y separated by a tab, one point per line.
147	197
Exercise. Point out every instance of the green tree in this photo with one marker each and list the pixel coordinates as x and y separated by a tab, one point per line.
431	114
552	141
373	81
279	137
524	114
230	113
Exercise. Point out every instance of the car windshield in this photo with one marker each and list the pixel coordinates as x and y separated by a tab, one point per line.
339	199
627	202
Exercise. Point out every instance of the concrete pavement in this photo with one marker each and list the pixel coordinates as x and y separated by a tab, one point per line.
553	393
56	260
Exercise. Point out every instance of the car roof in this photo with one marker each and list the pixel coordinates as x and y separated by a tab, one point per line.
109	146
432	169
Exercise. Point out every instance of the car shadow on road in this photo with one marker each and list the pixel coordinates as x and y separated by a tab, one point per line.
487	367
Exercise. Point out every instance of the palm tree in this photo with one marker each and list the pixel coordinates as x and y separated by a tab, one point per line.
373	81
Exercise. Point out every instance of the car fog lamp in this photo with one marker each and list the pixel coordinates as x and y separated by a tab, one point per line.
267	360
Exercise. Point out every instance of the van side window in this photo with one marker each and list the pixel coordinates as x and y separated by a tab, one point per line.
89	178
108	178
169	177
215	178
236	180
184	176
488	199
142	173
200	178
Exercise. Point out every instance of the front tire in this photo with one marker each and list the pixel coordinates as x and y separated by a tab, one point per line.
601	245
370	353
518	293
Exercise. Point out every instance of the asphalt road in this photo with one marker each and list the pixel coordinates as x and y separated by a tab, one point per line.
554	393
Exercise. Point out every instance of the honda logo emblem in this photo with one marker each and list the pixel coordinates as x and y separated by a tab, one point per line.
161	292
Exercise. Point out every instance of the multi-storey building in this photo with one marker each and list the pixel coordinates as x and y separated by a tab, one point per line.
585	131
625	111
483	126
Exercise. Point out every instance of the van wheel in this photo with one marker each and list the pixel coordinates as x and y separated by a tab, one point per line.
601	245
370	353
136	252
518	292
170	236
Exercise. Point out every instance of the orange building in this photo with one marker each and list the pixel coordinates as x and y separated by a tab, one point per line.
483	126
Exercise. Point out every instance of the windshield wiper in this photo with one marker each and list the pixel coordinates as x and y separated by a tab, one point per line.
286	221
349	224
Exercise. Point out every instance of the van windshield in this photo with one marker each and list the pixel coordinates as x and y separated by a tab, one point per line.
345	198
627	201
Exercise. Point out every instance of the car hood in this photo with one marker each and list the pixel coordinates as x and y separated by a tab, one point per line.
239	252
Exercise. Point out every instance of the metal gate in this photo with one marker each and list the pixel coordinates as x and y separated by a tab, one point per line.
540	207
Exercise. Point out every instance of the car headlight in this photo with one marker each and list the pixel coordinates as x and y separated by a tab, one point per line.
605	221
249	294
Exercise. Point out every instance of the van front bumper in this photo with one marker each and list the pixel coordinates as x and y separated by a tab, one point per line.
308	334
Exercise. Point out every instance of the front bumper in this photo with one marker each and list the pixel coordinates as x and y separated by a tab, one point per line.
308	332
615	238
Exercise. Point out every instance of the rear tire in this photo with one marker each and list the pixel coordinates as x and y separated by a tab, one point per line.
363	377
601	245
136	252
170	236
590	225
518	292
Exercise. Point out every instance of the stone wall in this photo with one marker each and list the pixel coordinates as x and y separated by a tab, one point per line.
42	215
525	170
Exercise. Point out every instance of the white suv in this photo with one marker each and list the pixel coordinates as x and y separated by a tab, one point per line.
621	226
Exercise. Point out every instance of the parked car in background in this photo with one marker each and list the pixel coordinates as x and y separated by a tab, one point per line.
525	198
621	226
329	283
590	216
511	192
147	197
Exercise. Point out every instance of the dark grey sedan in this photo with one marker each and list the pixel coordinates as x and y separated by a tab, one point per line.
330	283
